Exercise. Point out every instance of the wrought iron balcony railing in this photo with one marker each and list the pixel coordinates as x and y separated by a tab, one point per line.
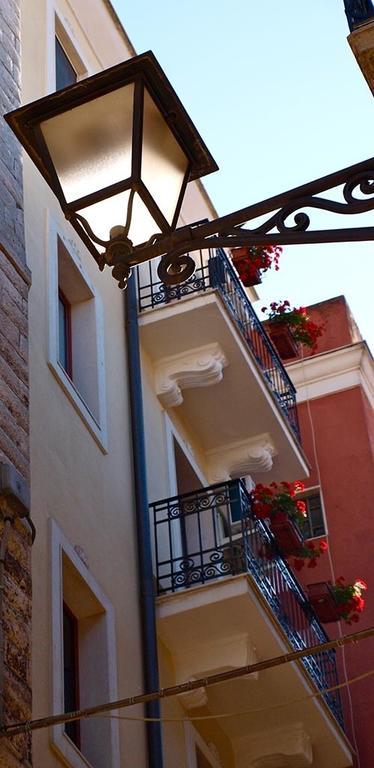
217	272
212	533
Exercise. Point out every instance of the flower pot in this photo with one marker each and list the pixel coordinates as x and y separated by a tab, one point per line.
242	252
283	340
323	602
248	273
287	534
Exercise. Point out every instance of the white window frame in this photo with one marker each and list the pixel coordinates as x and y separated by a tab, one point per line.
309	492
97	427
59	739
57	27
193	740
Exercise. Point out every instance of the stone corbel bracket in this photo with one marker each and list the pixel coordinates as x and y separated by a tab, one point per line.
241	459
288	747
199	367
211	658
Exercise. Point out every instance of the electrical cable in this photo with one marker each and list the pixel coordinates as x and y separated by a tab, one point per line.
204	682
222	715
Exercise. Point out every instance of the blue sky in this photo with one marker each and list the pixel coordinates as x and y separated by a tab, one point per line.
278	97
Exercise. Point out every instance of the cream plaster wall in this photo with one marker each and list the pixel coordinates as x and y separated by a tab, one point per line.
82	484
86	491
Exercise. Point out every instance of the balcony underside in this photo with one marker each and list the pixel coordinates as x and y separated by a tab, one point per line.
231	418
227	623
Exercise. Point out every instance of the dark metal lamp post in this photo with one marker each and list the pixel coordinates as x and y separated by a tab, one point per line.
118	149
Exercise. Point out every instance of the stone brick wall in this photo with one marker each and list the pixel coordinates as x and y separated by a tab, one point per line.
15	638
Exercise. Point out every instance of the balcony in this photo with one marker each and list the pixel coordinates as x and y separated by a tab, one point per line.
226	595
203	334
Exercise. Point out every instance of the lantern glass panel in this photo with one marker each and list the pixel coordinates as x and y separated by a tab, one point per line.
91	145
164	163
113	211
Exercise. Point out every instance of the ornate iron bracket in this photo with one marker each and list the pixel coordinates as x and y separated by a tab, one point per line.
353	189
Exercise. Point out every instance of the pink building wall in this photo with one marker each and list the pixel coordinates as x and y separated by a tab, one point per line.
341	458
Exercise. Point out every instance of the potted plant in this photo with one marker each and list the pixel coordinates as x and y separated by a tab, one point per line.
309	551
251	261
277	504
289	327
332	602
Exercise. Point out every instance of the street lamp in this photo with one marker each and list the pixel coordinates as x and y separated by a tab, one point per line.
118	149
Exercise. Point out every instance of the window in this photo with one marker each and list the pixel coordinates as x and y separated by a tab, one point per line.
76	334
77	342
84	659
199	753
66	62
315	523
64	334
71	672
65	72
201	760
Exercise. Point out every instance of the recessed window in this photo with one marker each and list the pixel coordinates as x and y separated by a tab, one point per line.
199	753
64	334
77	332
65	72
83	661
314	523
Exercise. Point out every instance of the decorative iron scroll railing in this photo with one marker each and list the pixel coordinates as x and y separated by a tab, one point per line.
217	272
212	533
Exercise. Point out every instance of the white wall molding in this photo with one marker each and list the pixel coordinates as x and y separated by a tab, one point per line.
334	371
96	426
241	458
61	548
199	367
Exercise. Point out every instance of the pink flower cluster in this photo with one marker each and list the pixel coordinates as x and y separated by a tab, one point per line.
310	551
348	598
277	499
258	258
304	330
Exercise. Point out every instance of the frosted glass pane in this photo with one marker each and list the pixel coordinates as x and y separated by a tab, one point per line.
164	163
109	213
91	145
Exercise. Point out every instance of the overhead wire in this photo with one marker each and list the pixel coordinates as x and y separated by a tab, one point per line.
221	715
143	698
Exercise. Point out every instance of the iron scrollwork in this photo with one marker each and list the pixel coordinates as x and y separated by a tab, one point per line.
229	231
192	572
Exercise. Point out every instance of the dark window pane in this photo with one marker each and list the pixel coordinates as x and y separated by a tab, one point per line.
62	351
64	334
71	673
65	73
201	760
314	524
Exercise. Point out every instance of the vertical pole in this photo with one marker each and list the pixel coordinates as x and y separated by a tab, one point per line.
147	602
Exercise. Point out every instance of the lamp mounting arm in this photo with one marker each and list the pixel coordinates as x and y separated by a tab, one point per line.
353	193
